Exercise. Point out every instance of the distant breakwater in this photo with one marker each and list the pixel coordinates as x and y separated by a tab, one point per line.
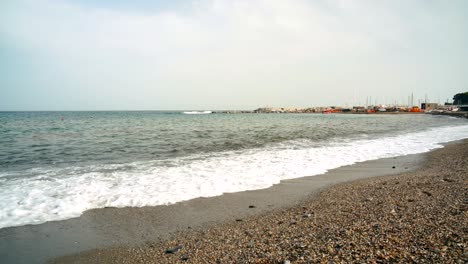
455	114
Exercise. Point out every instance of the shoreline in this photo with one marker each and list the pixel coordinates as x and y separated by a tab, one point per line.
415	216
111	227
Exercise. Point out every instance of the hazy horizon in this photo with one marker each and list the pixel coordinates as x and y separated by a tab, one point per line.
83	55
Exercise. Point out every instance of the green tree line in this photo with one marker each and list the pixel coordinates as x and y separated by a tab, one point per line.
460	98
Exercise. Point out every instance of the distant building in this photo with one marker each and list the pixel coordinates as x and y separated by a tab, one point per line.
429	106
359	109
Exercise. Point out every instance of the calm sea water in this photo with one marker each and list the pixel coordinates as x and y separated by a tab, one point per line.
56	165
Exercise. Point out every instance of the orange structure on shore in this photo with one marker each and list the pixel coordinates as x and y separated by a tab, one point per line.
415	109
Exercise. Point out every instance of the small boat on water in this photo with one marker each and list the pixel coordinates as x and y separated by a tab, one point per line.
197	112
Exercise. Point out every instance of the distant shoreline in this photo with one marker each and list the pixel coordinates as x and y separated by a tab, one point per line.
462	114
299	112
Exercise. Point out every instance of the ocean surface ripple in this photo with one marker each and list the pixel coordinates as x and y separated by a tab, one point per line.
56	165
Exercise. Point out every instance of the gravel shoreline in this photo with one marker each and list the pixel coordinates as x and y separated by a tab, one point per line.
419	216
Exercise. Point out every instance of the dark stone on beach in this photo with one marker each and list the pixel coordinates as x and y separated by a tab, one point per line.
173	250
252	206
427	193
393	167
238	220
184	258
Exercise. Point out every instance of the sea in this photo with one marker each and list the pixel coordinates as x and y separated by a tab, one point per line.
57	165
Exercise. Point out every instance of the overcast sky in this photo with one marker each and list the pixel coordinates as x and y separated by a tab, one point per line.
150	55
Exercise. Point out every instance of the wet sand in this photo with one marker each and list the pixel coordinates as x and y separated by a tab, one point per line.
127	234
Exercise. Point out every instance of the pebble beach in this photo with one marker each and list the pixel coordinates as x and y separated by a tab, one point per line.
418	216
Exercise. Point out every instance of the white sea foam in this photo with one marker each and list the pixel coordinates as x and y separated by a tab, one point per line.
62	193
197	112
